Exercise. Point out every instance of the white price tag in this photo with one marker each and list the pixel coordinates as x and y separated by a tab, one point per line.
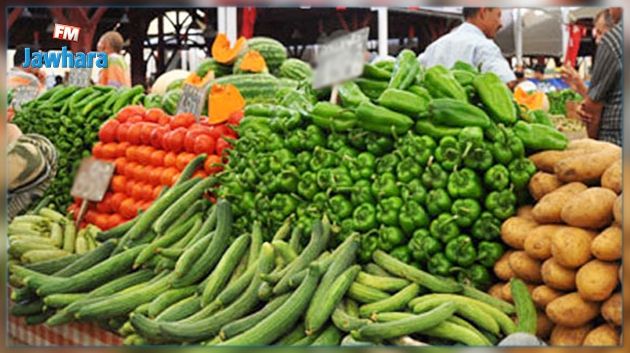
80	77
341	59
192	100
92	179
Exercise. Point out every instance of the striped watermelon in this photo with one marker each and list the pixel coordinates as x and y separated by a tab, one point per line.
255	88
272	50
219	69
296	69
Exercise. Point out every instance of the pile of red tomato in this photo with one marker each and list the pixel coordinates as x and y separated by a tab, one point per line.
150	149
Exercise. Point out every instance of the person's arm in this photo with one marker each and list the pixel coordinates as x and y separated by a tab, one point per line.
103	77
491	59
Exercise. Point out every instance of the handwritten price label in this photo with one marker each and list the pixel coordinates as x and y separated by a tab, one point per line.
92	179
341	59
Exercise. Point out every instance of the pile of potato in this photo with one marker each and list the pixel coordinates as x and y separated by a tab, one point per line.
568	246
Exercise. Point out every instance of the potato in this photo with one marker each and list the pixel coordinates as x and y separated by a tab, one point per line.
617	209
543	325
538	242
546	160
514	231
590	145
611	179
571	310
502	267
543	183
496	290
549	207
506	291
556	276
612	309
596	280
567	336
587	168
525	212
602	335
525	267
592	208
543	295
607	245
571	247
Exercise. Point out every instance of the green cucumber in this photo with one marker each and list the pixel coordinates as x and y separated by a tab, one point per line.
236	327
282	320
384	283
221	273
181	309
454	332
331	336
389	316
51	266
191	167
179	206
393	303
525	308
406	326
255	244
366	294
168	298
296	239
170	253
376	270
475	293
62	300
284	250
466	309
192	254
292	337
345	322
26	309
323	262
401	269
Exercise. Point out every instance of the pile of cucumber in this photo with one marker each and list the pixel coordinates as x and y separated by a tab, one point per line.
46	234
179	275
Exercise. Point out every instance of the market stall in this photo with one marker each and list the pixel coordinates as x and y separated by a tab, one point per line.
402	206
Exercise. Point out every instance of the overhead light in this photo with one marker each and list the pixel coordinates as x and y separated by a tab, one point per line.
124	18
27	13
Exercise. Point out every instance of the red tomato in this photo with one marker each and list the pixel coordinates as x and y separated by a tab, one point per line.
144	154
167	176
97	150
101	220
174	140
165	120
147	192
204	144
157	158
189	140
170	159
120	163
175	178
115	220
104	206
157	191
182	120
203	128
145	134
107	133
118	183
110	150
122	133
155	175
90	216
138	172
116	200
134	133
183	159
132	153
153	115
121	149
136	192
213	164
135	119
130	169
124	114
235	118
200	174
223	130
221	146
128	208
129	186
157	136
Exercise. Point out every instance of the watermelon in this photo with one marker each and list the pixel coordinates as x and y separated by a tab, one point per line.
296	69
170	100
255	88
219	69
175	84
272	50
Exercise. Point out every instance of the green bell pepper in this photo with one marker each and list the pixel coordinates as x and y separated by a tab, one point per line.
369	243
439	265
438	201
340	208
489	253
361	193
314	137
521	170
388	209
407	170
501	203
448	153
466	211
390	237
464	184
384	186
497	178
427	128
540	137
539	116
323	158
461	250
423	246
444	228
479	158
364	217
387	163
363	166
420	148
402	253
434	177
486	227
477	276
412	216
414	191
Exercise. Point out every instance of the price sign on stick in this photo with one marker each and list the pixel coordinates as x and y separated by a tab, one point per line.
23	94
80	77
91	182
194	97
341	59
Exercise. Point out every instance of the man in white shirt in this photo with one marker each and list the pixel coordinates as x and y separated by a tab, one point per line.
471	42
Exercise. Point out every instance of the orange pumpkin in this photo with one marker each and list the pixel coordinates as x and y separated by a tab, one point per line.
224	100
252	61
196	80
224	53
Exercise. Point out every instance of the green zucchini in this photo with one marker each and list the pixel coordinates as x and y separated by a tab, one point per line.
223	270
525	308
323	262
181	309
393	303
365	294
388	316
292	337
454	332
475	293
51	266
406	326
62	300
376	270
26	309
255	244
384	283
181	204
284	250
170	253
331	336
345	322
467	309
282	320
193	253
236	327
116	232
168	298
296	239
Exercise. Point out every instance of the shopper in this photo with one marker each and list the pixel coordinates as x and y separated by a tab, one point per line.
32	164
472	42
117	73
19	75
601	109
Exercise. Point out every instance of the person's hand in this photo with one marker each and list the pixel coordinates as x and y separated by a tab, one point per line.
571	76
589	113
